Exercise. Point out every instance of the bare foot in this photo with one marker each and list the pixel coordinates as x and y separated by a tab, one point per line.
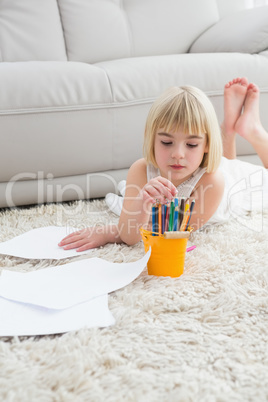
249	126
234	96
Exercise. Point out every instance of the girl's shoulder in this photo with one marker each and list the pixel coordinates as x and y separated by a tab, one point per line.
138	171
139	164
214	181
212	177
208	194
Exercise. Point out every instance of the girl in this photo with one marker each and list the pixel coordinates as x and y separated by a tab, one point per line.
183	157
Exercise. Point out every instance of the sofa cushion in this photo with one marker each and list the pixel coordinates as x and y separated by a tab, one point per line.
245	31
51	86
231	6
57	86
31	30
142	79
112	29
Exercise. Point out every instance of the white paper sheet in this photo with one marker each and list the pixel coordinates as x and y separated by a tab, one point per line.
66	285
41	243
18	319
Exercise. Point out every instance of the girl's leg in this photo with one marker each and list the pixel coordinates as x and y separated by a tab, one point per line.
249	126
234	96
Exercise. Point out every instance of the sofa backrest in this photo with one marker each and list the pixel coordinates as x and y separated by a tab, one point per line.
98	30
91	31
31	30
227	7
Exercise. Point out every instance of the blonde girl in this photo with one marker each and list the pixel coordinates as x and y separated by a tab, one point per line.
183	157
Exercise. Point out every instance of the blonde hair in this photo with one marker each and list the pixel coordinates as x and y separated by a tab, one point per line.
188	109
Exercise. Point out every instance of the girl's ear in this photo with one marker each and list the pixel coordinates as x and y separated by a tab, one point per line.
206	149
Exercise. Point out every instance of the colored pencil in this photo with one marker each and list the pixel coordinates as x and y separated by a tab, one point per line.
176	218
185	221
190	248
154	219
187	205
176	213
191	211
186	215
163	220
159	219
171	216
181	212
167	218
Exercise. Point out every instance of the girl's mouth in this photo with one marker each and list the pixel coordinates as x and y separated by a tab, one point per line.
177	167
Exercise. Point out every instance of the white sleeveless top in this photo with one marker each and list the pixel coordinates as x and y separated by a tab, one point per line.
186	188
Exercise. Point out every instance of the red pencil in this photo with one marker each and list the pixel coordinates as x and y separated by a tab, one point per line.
167	218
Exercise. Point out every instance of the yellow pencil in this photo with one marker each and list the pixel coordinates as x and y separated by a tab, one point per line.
187	205
184	221
186	216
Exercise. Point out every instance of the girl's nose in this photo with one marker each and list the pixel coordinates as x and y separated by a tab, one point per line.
178	153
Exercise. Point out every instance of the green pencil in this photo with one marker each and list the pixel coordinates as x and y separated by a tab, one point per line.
171	216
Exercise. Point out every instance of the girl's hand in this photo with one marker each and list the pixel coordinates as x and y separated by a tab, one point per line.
89	238
158	189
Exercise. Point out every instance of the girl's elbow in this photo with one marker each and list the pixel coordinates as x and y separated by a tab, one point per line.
129	240
129	235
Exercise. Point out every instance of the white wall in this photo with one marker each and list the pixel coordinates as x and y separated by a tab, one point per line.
255	3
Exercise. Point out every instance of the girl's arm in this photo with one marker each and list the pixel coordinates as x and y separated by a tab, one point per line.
208	195
139	197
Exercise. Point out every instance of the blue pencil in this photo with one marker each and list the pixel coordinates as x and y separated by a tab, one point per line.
154	213
163	214
176	214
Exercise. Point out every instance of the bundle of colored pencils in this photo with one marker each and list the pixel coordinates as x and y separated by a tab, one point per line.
172	217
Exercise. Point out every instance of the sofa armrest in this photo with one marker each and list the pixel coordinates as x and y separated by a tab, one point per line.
245	31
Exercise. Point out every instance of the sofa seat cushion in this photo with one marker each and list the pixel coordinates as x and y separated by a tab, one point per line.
59	86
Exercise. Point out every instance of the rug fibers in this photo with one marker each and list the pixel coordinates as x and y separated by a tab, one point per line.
200	337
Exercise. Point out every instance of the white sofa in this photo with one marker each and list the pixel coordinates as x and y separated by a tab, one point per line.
77	78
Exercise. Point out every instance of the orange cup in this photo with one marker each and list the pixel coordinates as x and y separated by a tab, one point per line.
167	255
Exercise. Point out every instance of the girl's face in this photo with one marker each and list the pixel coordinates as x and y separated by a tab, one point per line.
178	154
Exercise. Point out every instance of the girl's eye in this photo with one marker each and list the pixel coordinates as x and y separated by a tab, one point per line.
166	143
192	145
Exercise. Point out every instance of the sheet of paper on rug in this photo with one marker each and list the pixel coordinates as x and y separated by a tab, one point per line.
64	286
19	319
40	243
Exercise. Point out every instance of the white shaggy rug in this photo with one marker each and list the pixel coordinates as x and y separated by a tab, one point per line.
200	337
